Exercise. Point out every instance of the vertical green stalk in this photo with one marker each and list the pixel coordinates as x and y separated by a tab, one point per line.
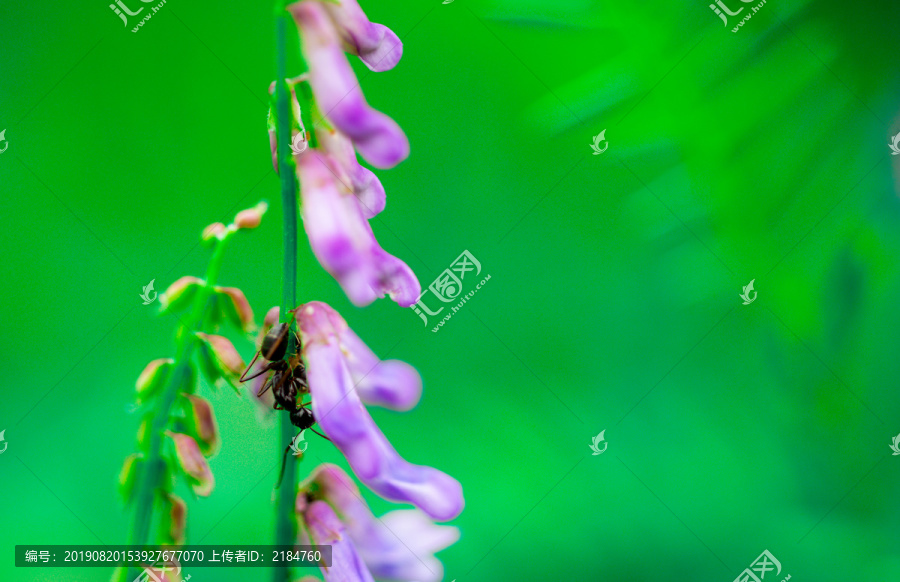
285	533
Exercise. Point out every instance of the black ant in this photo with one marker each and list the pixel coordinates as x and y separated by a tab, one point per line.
288	379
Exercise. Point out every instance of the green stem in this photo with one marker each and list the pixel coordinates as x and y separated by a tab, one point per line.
285	532
154	465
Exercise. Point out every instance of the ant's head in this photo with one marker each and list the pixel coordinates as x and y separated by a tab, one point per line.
302	418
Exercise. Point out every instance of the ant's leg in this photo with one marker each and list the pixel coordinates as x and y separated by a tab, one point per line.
320	434
265	388
283	465
248	368
259	372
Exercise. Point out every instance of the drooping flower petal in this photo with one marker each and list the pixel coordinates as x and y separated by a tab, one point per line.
365	185
375	44
390	383
398	546
377	137
193	463
343	242
326	529
406	551
345	420
204	423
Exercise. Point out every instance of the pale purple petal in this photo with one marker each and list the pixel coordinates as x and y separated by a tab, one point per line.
342	240
413	540
390	383
377	45
377	137
368	190
365	184
326	529
398	546
393	277
345	420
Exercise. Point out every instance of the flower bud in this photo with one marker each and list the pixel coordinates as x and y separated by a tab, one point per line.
203	421
251	217
214	230
219	359
236	307
174	520
193	463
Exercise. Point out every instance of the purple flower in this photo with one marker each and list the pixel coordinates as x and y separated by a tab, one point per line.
323	527
342	240
375	44
377	137
362	181
398	546
335	356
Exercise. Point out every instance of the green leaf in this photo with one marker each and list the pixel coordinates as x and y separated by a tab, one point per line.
128	476
152	379
180	295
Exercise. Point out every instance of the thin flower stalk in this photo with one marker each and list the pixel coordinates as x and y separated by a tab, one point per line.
179	431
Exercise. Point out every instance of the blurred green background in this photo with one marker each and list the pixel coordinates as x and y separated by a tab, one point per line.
613	302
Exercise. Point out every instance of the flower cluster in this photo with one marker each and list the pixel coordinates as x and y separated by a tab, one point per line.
338	195
399	545
331	121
